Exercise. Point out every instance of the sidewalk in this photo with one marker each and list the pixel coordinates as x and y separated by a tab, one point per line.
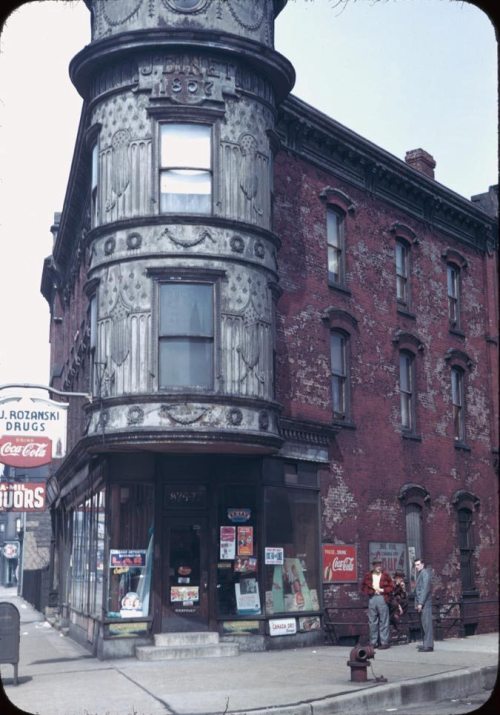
58	677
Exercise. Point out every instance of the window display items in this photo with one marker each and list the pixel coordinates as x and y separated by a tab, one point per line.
227	542
245	541
247	597
131	605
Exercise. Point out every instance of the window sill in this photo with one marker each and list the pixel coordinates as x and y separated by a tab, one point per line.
405	312
347	424
412	436
462	446
340	288
457	332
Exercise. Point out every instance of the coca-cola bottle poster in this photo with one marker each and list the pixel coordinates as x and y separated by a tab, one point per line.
339	563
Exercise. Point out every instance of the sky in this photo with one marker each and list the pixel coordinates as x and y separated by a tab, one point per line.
404	74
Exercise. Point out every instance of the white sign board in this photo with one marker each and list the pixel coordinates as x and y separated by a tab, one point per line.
282	627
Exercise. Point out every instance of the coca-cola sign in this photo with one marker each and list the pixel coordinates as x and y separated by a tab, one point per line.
32	431
339	563
24	496
25	451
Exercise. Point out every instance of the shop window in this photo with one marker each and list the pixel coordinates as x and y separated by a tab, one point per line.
186	335
87	555
185	168
402	273
336	247
457	398
238	588
453	280
339	368
407	390
292	580
131	551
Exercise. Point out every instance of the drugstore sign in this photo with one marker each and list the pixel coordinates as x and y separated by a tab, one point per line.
32	431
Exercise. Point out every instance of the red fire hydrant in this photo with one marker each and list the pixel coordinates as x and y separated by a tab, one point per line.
358	662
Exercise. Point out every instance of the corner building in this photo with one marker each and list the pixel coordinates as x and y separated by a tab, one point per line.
260	304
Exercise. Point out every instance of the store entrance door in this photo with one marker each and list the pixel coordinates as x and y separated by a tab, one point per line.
185	568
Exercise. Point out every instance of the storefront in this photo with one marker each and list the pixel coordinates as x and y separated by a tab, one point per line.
211	543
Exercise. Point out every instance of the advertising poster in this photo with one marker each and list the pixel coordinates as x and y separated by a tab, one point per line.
393	555
227	542
121	557
247	597
183	594
339	563
245	540
300	597
274	556
245	564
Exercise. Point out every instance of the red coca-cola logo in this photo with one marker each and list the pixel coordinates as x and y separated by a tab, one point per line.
345	564
25	451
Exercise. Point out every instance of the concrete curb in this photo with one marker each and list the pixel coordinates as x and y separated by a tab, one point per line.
373	699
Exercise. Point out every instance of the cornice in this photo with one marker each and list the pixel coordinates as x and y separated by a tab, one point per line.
321	140
265	61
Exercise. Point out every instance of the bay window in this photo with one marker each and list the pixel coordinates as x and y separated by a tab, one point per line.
185	168
186	335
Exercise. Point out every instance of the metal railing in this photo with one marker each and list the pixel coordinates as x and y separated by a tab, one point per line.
463	617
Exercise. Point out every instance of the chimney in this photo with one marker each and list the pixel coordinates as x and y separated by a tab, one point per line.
55	226
422	161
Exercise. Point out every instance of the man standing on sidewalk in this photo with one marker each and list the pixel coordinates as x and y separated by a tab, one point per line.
377	585
423	604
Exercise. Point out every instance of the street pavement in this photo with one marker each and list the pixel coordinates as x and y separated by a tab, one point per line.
59	677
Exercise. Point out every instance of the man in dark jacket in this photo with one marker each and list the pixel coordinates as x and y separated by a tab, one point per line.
377	585
423	604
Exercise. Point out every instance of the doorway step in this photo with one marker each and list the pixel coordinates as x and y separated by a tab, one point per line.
178	646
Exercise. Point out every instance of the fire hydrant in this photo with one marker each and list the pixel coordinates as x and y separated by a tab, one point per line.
358	662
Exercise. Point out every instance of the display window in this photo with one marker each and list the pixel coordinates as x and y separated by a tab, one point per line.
291	553
238	592
87	555
131	551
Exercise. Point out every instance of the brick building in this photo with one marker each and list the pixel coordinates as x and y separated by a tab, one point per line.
289	338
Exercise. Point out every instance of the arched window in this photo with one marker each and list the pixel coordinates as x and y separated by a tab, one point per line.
339	368
336	249
465	504
407	390
457	398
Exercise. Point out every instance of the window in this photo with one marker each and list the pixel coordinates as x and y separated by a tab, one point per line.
185	168
292	525
413	516
406	389
453	277
186	335
87	555
92	320
338	357
131	553
93	188
457	398
402	273
466	546
335	240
